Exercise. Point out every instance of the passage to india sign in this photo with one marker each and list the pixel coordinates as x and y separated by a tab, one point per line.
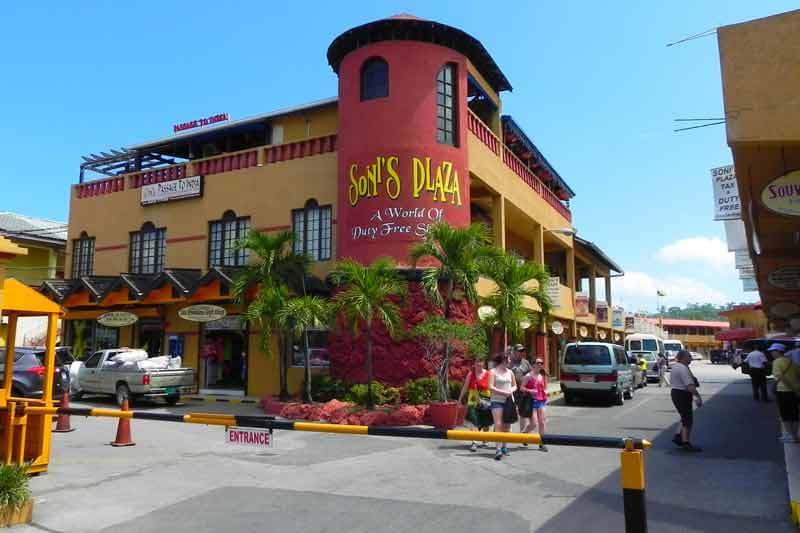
166	191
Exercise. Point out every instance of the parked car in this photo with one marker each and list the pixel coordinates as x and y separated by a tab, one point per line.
639	378
652	364
596	369
28	377
696	356
102	373
719	356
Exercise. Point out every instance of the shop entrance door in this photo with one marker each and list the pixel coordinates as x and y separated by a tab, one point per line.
150	336
223	352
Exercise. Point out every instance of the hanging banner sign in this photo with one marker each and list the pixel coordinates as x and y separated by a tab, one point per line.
749	285
630	322
785	278
553	290
117	319
727	205
782	195
616	318
253	437
202	313
167	191
742	259
581	304
602	311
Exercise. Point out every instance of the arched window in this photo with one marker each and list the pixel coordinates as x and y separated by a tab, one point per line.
148	249
82	256
311	226
446	111
374	79
223	236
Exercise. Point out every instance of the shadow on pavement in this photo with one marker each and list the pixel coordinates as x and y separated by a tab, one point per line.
703	491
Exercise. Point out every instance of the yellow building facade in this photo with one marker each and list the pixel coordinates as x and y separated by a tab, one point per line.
154	236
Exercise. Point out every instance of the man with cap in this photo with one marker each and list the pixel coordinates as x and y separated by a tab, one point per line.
787	384
757	362
520	366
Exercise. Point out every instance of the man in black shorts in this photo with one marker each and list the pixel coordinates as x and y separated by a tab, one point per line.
684	387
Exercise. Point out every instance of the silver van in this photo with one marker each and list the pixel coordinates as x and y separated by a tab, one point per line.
596	369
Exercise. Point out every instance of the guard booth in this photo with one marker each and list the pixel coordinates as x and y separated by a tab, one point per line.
25	438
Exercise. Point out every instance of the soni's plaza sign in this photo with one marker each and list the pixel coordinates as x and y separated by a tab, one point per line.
392	198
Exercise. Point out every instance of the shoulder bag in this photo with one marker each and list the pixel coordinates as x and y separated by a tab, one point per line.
510	411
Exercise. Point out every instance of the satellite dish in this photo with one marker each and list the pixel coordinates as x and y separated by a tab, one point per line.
524	324
557	327
486	312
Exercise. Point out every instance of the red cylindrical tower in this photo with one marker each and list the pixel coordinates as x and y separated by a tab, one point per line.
401	135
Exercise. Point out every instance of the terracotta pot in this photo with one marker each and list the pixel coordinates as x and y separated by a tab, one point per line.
444	415
23	515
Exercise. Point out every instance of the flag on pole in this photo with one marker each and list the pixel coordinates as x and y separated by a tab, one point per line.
659	292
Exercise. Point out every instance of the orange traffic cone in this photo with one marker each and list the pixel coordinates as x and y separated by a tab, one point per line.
62	421
124	429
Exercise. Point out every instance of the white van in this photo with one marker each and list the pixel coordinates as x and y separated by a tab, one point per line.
671	348
596	369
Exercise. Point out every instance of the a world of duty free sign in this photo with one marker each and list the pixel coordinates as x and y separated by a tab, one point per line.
251	437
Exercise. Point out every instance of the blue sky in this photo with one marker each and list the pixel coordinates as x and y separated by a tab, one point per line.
594	86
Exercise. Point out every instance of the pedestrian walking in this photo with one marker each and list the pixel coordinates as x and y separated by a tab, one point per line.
520	366
502	386
476	389
534	390
787	385
757	362
684	387
662	370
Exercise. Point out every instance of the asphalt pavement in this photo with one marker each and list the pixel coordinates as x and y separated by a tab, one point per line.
182	477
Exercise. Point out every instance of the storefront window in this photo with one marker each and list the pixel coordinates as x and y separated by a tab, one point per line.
82	256
87	336
317	349
223	353
148	250
150	336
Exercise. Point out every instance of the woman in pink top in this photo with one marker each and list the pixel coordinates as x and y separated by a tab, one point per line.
535	385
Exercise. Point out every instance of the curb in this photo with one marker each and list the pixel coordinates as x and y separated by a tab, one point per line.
217	399
791	454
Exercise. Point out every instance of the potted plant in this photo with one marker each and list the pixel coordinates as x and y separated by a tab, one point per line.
16	504
437	336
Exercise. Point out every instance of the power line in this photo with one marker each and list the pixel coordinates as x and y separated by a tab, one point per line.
700	126
695	36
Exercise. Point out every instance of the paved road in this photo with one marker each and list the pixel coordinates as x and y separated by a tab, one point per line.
183	478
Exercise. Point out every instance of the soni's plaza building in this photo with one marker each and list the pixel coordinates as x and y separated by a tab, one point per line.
417	134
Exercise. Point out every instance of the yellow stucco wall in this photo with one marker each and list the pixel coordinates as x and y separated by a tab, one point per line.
39	264
310	123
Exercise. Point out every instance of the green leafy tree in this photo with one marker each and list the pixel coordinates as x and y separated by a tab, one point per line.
366	299
518	283
436	332
461	255
298	315
278	274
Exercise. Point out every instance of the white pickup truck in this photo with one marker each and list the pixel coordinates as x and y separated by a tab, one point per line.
124	373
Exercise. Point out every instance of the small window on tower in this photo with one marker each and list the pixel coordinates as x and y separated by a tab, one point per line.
374	79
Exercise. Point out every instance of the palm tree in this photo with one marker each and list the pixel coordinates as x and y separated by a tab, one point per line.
514	291
366	299
461	254
298	315
277	272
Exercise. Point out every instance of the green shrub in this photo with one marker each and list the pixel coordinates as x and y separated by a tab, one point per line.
391	395
455	389
422	390
325	388
358	394
14	490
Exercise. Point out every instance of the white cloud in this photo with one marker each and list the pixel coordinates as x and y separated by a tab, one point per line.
637	290
710	251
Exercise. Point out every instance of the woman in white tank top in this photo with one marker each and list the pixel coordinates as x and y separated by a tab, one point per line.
502	385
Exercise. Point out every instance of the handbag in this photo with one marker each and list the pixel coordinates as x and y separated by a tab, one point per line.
510	411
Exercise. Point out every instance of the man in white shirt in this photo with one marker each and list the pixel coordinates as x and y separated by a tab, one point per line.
684	386
758	374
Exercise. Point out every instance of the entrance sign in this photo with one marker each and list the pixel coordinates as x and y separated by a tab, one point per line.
167	191
581	304
202	313
617	320
228	323
727	205
557	327
117	319
785	278
782	195
253	437
553	290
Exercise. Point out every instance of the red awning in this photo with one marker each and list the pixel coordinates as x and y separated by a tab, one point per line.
736	334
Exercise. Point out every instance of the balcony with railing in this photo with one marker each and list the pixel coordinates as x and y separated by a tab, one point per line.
252	157
486	136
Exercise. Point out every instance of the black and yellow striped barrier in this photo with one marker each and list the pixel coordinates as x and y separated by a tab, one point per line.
632	456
